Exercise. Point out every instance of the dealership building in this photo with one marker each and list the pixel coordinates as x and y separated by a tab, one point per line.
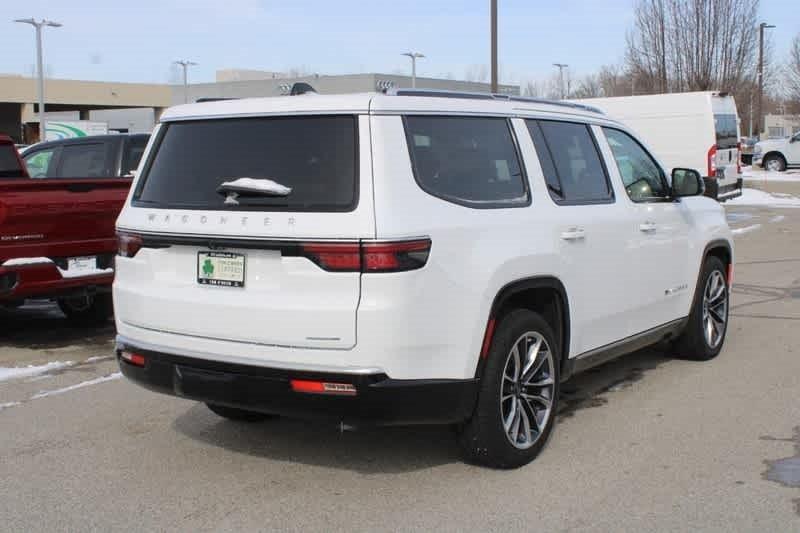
135	107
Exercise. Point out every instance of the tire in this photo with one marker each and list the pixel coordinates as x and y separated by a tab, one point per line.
694	343
87	310
239	415
485	438
777	162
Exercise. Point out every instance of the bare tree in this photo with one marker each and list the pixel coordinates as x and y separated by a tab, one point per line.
589	86
477	73
693	45
793	72
533	88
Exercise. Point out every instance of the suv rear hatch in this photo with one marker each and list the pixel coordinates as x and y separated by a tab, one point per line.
249	230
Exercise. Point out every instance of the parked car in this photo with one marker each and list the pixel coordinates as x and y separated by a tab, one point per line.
418	257
97	156
748	145
699	130
57	237
778	154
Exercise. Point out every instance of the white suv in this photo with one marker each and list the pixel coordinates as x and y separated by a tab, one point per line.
778	154
417	257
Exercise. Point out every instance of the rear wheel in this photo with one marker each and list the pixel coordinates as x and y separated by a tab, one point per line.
518	394
704	335
86	309
774	163
240	415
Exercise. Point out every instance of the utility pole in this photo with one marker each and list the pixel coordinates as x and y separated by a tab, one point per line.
185	64
39	65
414	56
494	45
561	67
760	121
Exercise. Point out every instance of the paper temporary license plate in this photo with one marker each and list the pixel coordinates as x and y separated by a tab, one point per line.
78	265
223	269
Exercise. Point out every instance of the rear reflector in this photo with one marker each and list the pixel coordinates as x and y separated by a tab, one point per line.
730	275
368	257
487	338
134	358
322	387
128	245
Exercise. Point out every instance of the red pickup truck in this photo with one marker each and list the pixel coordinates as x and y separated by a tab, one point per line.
57	238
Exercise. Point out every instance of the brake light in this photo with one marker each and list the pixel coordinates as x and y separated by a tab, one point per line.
712	161
134	358
368	257
128	245
322	387
739	158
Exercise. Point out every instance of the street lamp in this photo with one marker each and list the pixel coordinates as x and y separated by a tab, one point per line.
561	67
761	28
38	25
414	56
185	64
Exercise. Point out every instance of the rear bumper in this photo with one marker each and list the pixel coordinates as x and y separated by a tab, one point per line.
722	192
43	280
378	400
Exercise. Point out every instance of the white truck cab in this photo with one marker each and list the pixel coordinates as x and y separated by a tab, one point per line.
778	154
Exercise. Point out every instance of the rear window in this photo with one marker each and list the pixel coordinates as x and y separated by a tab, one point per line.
470	161
9	164
726	126
314	156
84	161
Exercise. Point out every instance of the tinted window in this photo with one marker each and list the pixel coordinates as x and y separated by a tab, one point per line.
571	163
133	154
38	162
9	164
725	126
314	156
466	160
84	161
643	178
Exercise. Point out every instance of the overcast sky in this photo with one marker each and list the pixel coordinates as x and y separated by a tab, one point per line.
137	40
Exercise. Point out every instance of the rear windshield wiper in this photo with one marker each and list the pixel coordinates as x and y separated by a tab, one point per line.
251	187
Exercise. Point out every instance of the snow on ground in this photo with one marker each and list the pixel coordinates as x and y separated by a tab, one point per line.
31	370
779	218
82	384
8	404
746	229
750	174
764	199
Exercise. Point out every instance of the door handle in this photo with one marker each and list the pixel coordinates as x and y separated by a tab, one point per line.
573	234
647	227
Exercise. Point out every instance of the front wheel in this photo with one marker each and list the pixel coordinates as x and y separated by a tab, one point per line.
704	334
518	394
87	310
775	163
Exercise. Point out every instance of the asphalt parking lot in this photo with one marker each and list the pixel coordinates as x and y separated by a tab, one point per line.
643	443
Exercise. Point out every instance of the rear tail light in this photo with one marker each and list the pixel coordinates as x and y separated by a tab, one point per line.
128	245
712	161
738	158
134	358
322	387
369	257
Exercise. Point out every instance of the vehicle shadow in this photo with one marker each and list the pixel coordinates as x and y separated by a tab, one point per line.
372	450
41	325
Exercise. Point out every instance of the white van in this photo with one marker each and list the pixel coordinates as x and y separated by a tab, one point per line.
699	130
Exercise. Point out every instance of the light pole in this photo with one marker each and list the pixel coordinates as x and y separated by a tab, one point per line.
561	67
38	25
493	31
185	64
761	28
414	56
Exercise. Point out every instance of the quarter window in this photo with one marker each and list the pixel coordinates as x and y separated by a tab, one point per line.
38	163
571	163
642	176
470	161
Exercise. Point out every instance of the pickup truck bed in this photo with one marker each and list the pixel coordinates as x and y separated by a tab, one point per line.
57	241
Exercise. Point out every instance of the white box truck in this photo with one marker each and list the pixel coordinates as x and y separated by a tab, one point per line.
68	129
698	130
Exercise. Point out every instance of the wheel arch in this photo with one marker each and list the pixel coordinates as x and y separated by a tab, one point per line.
545	295
719	248
774	153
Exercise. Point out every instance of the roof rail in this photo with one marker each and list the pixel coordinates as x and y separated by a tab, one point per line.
437	93
203	99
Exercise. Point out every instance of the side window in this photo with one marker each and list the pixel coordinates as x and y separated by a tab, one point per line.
470	161
133	153
643	178
83	161
38	162
571	162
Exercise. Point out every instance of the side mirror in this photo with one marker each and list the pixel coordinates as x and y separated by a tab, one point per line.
687	182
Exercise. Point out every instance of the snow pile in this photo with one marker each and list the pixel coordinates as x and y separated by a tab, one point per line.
768	175
746	229
765	199
30	370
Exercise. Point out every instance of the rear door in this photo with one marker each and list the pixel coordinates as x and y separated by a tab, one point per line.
249	266
726	132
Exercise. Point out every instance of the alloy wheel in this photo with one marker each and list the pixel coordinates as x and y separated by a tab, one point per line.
527	389
715	309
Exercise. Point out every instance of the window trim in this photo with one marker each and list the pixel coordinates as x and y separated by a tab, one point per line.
528	198
164	126
666	184
562	201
